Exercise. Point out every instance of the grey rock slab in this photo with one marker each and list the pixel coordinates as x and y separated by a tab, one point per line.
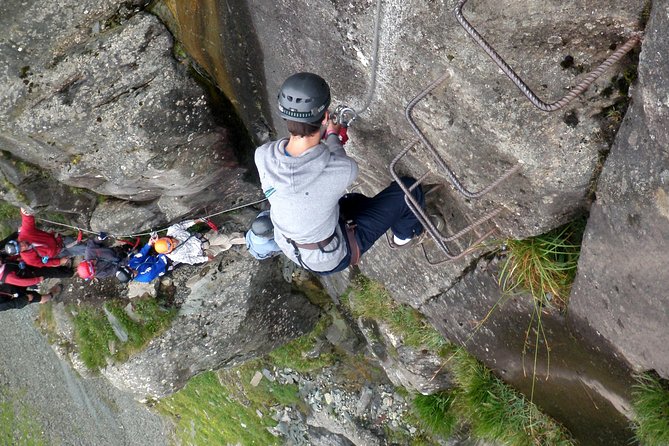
621	287
237	309
257	377
71	410
113	111
117	328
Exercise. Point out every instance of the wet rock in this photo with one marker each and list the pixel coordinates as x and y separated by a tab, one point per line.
493	328
621	286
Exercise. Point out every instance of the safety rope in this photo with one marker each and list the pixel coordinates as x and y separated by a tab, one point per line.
369	96
139	234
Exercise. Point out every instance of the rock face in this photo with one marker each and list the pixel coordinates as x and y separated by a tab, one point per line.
477	119
92	95
581	372
621	287
237	309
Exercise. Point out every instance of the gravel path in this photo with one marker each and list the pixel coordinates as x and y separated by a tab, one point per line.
72	410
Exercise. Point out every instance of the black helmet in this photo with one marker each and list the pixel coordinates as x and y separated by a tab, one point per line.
124	274
12	248
304	97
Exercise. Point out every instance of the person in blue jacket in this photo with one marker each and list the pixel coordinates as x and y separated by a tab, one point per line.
143	267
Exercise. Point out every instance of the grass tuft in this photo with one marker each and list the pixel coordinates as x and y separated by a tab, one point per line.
224	408
94	334
651	405
294	355
19	425
434	413
498	413
371	300
545	266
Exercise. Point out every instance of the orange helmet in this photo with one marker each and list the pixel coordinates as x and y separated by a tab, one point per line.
165	245
86	270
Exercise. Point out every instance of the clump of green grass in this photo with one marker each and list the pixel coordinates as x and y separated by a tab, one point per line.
9	219
18	422
93	333
490	409
545	266
651	405
371	300
496	412
223	408
293	355
434	413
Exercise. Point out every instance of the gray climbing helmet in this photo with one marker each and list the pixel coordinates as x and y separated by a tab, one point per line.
262	227
12	248
304	97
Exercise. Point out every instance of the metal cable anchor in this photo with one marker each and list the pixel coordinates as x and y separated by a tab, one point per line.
522	86
344	115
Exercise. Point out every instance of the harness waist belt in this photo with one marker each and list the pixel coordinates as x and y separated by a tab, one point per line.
318	245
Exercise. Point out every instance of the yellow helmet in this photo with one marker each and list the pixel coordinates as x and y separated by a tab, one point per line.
165	245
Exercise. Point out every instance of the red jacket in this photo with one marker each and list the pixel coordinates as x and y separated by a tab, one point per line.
12	279
45	244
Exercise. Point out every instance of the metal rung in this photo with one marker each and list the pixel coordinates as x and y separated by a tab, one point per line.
408	113
439	238
522	86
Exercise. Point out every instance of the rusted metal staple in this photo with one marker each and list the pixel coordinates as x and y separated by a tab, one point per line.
439	239
440	162
522	86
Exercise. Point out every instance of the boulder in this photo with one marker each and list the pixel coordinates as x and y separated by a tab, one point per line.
621	288
405	366
237	309
92	95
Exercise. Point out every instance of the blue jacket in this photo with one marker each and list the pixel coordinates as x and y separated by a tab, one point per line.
148	267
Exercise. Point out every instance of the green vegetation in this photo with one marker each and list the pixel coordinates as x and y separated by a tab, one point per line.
294	355
544	266
496	412
434	413
9	216
651	405
18	422
371	300
94	334
224	408
490	409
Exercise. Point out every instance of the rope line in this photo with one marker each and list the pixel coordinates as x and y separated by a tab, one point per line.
369	96
139	234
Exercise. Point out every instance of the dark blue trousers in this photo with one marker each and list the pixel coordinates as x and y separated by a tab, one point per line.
374	216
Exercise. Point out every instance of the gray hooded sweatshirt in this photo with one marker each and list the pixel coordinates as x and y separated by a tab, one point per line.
304	192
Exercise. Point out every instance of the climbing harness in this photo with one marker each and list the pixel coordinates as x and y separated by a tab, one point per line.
522	86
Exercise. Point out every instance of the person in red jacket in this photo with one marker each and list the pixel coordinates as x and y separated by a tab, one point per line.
40	248
13	273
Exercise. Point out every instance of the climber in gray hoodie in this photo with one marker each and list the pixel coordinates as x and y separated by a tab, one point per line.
305	178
